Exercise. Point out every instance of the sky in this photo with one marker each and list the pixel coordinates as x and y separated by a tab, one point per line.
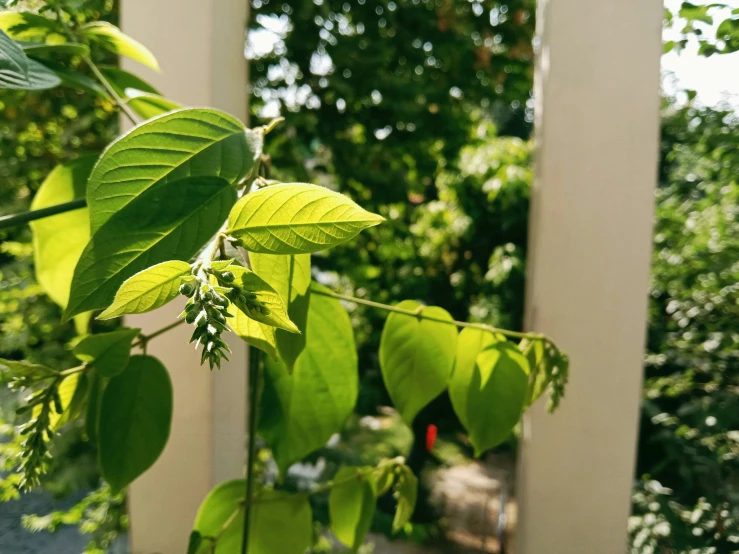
715	78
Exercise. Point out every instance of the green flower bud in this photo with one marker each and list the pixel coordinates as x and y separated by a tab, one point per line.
187	289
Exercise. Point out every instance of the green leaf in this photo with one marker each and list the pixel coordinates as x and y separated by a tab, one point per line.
220	515
296	218
108	352
276	315
121	80
300	412
351	505
273	513
27	25
406	491
92	415
20	73
171	221
186	143
56	253
469	344
254	333
67	389
497	391
548	371
383	477
290	276
12	57
43	49
196	539
134	421
148	289
114	40
78	403
149	105
10	369
416	357
77	81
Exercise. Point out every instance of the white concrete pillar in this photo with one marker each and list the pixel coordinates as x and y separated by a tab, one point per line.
200	47
597	129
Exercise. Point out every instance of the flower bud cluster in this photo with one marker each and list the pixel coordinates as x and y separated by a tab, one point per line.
207	310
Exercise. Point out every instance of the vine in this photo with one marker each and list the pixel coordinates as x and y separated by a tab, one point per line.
182	209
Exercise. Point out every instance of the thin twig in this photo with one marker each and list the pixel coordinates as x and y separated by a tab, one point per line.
12	220
144	339
255	377
125	108
420	315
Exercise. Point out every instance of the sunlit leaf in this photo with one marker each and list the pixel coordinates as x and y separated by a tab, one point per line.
266	297
406	492
148	289
171	221
469	344
496	395
149	105
114	40
221	515
67	389
186	143
351	505
301	411
27	25
296	218
416	357
254	333
56	252
290	276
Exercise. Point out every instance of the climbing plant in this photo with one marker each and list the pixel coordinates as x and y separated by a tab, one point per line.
182	208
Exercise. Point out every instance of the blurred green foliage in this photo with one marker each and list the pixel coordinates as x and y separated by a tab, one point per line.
39	130
713	25
689	446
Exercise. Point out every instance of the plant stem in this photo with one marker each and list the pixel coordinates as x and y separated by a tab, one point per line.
420	315
125	108
144	339
255	377
12	220
73	370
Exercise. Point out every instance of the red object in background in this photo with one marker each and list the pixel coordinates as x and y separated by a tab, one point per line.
431	432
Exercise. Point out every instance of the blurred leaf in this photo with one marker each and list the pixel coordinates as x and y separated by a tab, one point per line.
351	505
113	39
108	352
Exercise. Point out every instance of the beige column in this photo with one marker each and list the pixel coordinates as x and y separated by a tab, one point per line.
200	47
597	128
